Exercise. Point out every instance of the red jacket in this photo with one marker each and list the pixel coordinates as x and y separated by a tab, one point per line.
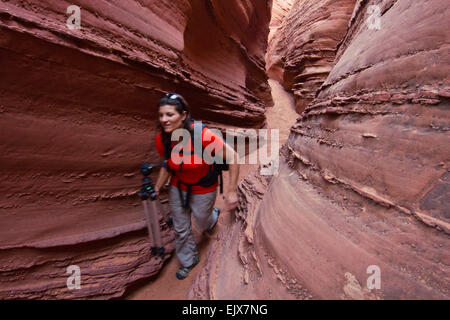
192	172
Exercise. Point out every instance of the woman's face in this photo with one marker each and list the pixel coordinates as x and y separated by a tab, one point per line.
170	119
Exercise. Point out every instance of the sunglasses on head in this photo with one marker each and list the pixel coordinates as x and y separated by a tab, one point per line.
176	97
172	96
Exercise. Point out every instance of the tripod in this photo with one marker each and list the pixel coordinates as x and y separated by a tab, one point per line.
149	199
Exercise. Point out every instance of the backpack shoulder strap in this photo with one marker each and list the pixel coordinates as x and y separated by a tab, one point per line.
167	149
197	136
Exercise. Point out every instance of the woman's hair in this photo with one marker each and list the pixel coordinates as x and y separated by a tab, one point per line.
180	104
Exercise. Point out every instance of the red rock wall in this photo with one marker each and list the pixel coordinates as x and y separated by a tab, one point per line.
77	116
302	49
365	180
280	9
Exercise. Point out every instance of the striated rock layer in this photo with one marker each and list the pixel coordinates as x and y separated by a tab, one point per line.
280	9
302	50
364	191
77	116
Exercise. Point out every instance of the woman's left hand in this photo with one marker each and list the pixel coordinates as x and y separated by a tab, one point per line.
231	201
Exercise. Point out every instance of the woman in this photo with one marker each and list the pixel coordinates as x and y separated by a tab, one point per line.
189	192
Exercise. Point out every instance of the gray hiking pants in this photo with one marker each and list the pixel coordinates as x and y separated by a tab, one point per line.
201	205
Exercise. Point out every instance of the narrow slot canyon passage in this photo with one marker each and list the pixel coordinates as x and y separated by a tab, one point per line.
165	286
358	89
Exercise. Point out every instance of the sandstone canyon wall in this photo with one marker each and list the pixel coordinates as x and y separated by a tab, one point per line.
364	184
303	47
280	8
77	116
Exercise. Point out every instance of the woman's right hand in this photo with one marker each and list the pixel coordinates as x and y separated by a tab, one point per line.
162	178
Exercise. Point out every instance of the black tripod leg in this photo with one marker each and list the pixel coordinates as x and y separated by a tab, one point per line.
157	232
149	227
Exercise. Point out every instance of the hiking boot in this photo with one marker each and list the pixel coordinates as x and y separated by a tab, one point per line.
210	230
183	272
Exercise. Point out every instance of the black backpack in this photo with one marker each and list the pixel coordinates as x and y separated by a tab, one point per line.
214	172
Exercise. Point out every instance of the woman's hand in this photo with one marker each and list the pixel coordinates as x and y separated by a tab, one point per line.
231	201
163	176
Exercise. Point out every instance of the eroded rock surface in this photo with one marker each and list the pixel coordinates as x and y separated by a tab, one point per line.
280	9
77	116
302	50
364	185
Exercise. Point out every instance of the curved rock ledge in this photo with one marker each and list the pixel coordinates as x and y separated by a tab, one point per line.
77	116
365	180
